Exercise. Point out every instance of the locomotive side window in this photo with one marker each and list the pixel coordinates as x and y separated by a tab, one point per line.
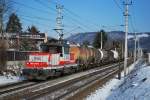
66	50
59	49
52	50
44	48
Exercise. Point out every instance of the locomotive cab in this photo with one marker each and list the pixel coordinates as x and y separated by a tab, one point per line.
61	50
52	58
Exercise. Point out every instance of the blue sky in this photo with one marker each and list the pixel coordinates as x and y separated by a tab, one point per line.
83	15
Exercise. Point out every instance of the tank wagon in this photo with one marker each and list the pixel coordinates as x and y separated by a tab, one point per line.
58	58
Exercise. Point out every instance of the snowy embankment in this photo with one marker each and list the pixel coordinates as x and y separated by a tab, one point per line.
8	80
12	75
135	86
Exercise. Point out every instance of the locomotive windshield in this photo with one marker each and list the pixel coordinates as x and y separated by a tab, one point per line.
51	49
55	49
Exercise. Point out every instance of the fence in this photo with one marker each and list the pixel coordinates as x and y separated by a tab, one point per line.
17	55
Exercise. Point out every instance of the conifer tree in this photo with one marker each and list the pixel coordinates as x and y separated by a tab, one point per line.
97	39
13	25
33	29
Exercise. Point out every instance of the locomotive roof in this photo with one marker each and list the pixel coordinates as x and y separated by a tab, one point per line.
56	44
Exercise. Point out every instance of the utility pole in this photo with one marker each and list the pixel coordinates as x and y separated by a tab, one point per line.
135	47
1	25
101	40
126	14
122	56
59	25
1	18
138	40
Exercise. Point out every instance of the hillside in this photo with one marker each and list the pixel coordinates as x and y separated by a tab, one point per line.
113	35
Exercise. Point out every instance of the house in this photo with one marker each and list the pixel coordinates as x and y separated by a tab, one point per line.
15	40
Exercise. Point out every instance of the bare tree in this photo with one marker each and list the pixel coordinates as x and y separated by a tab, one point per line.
3	55
3	42
5	8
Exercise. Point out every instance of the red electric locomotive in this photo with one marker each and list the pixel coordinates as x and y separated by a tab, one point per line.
59	58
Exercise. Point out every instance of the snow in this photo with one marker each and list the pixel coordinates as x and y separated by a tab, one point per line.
10	79
104	92
139	36
132	87
135	87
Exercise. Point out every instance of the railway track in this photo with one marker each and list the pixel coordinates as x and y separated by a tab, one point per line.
15	86
72	88
32	91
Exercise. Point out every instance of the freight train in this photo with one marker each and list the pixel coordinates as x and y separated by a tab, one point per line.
56	59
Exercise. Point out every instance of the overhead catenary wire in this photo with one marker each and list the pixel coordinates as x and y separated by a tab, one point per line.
118	5
72	18
132	20
37	17
30	7
76	18
136	39
79	17
132	24
36	22
44	5
31	18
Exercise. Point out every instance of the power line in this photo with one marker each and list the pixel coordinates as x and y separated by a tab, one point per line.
36	9
79	17
117	4
69	11
69	17
80	23
136	40
52	8
30	7
53	2
32	21
132	24
37	17
44	5
132	21
74	17
38	23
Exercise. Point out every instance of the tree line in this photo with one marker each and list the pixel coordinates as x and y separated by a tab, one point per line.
15	26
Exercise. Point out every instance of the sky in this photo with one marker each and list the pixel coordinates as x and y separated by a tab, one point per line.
82	15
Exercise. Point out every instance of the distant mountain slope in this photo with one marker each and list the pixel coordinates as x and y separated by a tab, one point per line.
89	36
113	35
81	37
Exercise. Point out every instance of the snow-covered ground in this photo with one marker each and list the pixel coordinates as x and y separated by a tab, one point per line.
135	86
139	36
10	79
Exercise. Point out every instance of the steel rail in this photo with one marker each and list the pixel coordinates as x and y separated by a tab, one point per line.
52	85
